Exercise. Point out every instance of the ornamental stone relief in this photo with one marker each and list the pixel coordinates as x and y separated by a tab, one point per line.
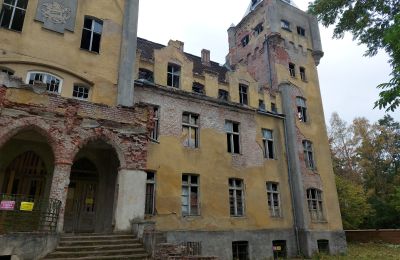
57	15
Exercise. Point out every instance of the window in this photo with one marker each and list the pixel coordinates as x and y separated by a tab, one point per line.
150	194
314	199
191	248
13	14
53	83
323	246
80	92
156	117
308	154
279	249
7	71
198	88
190	130
243	89
146	75
301	109
245	40
258	29
174	74
223	95
261	105
91	34
236	197
268	143
232	135
240	250
273	108
292	70
303	74
285	25
301	31
273	199
190	195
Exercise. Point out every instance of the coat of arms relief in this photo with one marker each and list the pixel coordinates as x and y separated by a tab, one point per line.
55	12
57	15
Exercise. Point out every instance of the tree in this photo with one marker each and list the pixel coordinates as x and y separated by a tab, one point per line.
375	23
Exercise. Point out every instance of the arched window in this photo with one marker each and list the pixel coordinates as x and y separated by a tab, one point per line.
8	71
314	199
53	83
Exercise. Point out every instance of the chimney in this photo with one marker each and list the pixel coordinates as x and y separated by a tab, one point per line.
205	57
177	44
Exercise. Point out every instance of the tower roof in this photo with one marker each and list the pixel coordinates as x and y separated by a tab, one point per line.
253	4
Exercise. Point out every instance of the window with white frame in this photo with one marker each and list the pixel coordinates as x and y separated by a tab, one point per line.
243	94
12	14
156	127
236	197
150	193
268	143
173	75
314	199
301	109
190	195
81	92
274	203
190	130
91	34
52	82
308	154
232	136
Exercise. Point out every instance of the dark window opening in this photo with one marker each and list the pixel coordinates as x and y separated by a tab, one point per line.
292	70
303	74
323	246
146	75
273	108
223	95
301	109
233	137
285	25
254	2
150	194
91	34
258	29
279	249
240	250
261	105
156	117
268	142
12	14
80	92
243	94
245	40
7	71
301	31
198	88
174	74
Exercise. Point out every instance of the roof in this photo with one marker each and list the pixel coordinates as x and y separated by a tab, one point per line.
147	51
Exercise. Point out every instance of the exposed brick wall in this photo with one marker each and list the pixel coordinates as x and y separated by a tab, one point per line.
2	94
176	252
388	236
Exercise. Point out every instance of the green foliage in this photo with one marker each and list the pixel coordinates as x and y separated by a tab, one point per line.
375	23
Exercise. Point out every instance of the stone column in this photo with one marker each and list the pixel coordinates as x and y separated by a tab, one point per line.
131	196
59	189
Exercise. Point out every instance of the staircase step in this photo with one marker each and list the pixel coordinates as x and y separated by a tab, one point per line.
80	254
95	237
98	242
115	257
97	247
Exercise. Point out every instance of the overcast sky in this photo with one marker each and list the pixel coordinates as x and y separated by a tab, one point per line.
348	80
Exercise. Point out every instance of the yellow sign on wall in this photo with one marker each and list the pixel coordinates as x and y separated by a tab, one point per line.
26	206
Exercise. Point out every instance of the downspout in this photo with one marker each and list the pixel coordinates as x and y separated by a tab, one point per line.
269	61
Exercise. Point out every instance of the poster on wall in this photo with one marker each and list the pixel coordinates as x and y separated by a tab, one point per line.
27	206
7	205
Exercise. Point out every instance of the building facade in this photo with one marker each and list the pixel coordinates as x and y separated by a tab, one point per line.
231	158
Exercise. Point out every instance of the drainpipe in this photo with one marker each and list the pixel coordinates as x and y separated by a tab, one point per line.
128	54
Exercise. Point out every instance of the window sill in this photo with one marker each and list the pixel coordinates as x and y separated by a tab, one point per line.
189	217
238	217
11	30
89	51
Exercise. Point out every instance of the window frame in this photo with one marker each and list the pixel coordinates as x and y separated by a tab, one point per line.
190	126
236	254
233	199
267	142
155	133
174	74
292	70
301	31
198	88
243	94
150	210
285	25
81	86
92	31
308	150
245	40
223	95
275	211
14	7
303	75
301	104
149	73
315	205
189	186
46	74
230	137
8	71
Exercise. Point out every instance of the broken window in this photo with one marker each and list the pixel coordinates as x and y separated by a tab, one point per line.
279	249
323	246
191	248
80	92
292	70
198	88
233	137
261	105
150	194
12	14
314	199
273	199
273	108
285	25
190	130
223	95
243	94
174	74
53	83
190	195
301	109
301	31
303	74
268	143
245	40
240	250
146	74
236	197
308	154
258	29
91	34
7	71
156	118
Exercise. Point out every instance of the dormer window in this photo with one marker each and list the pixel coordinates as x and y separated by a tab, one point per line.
174	75
245	40
53	83
285	25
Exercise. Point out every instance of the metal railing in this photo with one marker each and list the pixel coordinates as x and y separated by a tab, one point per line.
21	213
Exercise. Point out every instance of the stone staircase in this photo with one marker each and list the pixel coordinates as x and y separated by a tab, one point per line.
98	246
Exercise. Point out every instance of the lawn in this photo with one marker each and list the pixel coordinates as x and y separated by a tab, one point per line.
375	251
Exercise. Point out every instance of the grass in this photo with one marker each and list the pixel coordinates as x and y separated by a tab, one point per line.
375	251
